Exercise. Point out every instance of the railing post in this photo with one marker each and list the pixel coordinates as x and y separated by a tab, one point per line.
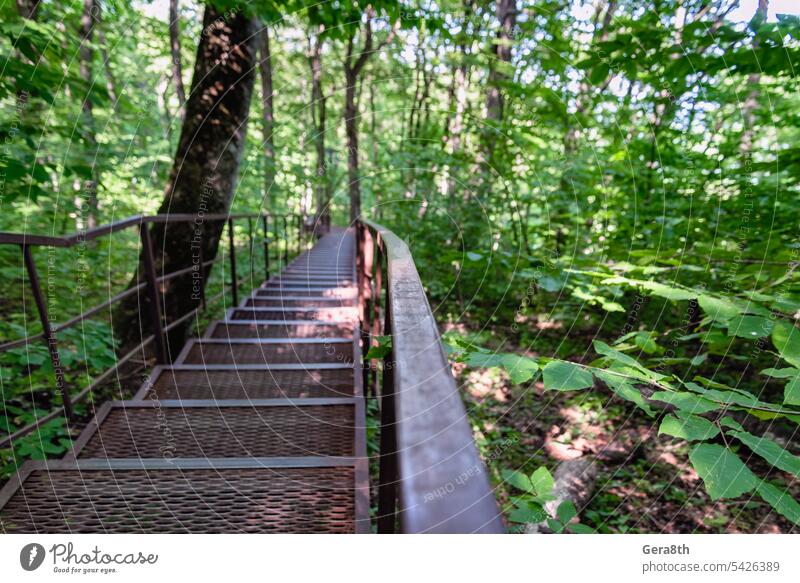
202	272
387	465
234	278
47	331
376	301
264	220
250	246
154	307
285	242
299	234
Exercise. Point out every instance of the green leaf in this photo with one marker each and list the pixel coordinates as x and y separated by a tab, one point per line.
581	529
530	513
485	359
520	368
542	482
472	256
690	427
566	511
770	451
722	472
555	525
749	326
781	373
731	423
599	73
718	309
791	392
562	375
518	480
699	359
378	352
786	339
780	500
669	292
685	401
625	390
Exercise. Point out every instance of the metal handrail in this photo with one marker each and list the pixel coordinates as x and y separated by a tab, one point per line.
150	285
431	476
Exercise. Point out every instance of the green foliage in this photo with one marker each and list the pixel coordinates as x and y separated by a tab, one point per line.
536	490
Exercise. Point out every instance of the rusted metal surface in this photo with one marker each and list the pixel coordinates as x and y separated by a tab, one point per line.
218	429
241	434
150	286
252	495
442	482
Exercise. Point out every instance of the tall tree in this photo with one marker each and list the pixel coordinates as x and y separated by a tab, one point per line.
506	14
353	66
318	120
750	104
28	8
268	113
91	11
206	167
175	51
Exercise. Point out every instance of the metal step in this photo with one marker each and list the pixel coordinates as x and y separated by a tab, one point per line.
249	382
252	495
282	314
298	302
268	351
333	292
219	429
287	329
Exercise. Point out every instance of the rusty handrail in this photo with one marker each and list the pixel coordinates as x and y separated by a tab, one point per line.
150	285
432	477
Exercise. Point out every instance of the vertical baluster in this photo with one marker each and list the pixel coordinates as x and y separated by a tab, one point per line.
388	472
154	305
285	243
47	331
299	234
232	252
250	246
202	271
265	221
365	293
376	303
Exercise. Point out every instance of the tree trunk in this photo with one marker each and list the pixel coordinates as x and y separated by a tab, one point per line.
268	113
111	83
506	12
751	103
351	131
175	50
91	11
352	69
205	171
28	8
318	119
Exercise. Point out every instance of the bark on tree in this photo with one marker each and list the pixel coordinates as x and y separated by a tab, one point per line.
175	50
111	83
506	13
205	171
751	103
28	8
352	69
268	114
318	121
91	11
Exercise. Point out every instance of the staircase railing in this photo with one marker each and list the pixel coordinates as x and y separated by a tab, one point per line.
288	226
431	478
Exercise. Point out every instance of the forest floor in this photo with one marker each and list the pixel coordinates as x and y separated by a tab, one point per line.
645	482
